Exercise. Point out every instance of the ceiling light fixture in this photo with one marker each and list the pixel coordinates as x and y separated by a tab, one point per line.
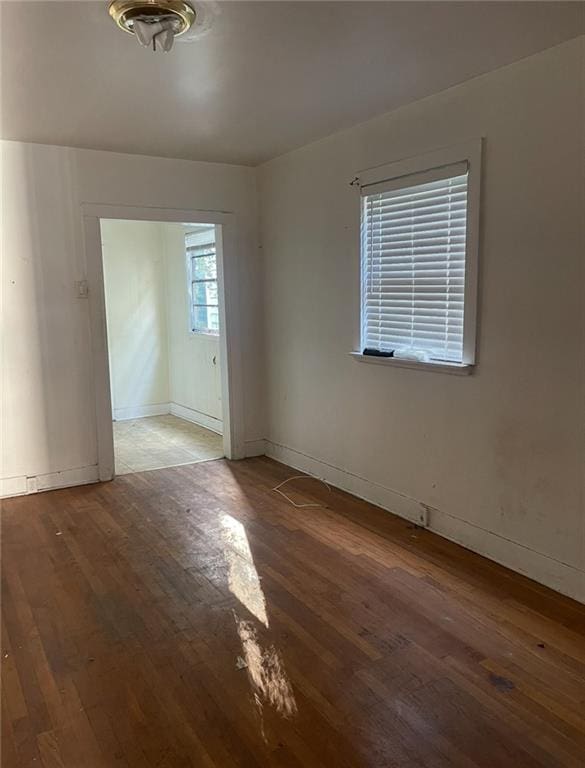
154	23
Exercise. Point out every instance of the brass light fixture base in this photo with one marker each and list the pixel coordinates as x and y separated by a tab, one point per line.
126	12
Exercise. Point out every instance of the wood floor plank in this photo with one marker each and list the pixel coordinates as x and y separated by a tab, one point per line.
193	617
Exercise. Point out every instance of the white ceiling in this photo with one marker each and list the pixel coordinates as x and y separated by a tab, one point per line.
268	77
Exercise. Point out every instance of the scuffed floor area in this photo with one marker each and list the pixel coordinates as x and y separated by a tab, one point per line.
155	442
193	618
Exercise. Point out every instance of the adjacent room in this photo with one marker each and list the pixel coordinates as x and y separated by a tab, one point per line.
292	384
162	312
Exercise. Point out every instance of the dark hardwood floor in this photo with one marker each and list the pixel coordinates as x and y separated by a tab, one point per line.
193	617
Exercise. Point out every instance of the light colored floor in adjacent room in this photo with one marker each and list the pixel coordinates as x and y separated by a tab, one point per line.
155	442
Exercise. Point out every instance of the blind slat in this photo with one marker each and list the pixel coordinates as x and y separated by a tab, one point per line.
413	261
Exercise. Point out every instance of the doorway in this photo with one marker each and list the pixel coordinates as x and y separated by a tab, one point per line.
162	315
160	337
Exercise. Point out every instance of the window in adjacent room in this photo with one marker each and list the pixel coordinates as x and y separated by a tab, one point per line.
202	272
419	259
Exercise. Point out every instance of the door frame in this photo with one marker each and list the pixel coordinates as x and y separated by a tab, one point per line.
228	300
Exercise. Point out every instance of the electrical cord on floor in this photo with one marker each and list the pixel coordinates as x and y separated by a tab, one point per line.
299	477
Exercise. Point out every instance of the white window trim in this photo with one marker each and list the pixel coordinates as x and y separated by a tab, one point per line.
459	369
196	331
471	153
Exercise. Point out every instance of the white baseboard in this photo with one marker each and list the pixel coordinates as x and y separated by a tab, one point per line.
22	486
254	448
139	411
559	576
202	419
392	501
13	486
162	409
562	577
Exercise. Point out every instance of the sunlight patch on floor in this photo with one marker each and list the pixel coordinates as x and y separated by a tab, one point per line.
243	579
266	671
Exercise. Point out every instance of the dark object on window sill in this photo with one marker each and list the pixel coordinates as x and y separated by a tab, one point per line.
377	352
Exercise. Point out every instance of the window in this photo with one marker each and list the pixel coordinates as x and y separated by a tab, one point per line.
419	261
202	269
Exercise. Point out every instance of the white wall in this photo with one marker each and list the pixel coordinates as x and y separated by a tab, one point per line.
48	403
498	455
136	302
194	365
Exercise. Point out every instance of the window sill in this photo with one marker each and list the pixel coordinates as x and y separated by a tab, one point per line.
205	334
458	369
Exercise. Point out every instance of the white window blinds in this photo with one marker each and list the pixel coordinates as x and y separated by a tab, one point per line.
413	264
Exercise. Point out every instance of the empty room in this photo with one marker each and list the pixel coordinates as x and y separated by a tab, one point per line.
292	456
